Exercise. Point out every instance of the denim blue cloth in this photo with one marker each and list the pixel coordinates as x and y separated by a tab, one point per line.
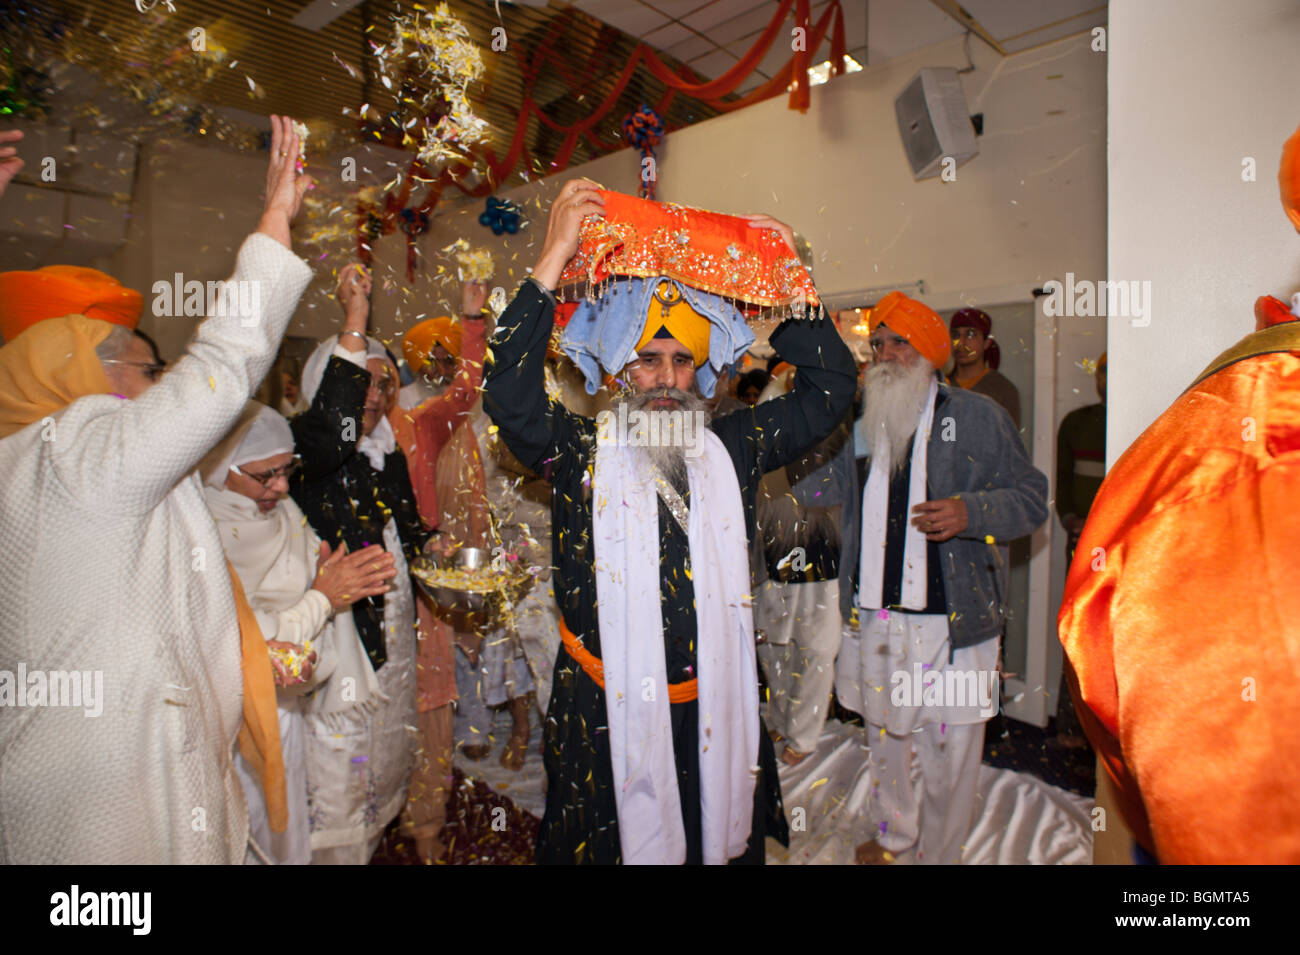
603	334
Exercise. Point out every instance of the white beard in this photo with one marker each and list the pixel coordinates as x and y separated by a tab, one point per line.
894	399
669	455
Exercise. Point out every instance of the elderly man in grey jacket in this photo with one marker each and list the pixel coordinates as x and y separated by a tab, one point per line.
935	479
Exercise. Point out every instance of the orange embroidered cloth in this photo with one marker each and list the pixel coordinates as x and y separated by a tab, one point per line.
709	251
1180	617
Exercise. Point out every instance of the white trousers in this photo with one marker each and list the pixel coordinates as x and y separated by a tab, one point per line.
938	823
802	624
883	665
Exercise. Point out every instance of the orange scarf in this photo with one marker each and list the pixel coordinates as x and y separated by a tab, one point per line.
48	367
259	736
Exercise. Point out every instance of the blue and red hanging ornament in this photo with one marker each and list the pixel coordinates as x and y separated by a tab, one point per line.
644	130
501	215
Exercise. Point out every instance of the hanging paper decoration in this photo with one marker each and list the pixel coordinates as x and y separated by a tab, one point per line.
501	215
643	130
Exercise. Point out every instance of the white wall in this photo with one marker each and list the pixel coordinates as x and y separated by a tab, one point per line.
1196	86
1029	207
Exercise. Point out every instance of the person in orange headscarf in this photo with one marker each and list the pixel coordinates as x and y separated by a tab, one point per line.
935	480
1180	614
113	569
442	406
429	419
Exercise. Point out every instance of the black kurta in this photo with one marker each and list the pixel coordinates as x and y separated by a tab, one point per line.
346	500
581	822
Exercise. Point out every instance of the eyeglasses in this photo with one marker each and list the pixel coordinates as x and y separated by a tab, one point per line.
153	369
266	477
381	383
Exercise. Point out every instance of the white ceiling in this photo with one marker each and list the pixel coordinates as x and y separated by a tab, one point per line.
711	35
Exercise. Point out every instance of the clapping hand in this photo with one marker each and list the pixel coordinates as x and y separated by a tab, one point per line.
346	578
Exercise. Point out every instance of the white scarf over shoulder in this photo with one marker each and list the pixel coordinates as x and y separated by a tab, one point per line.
275	555
625	522
875	521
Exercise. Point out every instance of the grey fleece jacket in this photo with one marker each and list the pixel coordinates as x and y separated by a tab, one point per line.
975	454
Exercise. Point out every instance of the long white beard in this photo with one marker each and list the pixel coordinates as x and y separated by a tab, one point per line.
894	398
669	453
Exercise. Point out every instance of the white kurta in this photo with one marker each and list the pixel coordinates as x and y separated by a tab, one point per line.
112	563
361	760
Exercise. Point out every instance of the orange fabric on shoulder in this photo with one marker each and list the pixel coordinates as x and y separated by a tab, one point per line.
1179	621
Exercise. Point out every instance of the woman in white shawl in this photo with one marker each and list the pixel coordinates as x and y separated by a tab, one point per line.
295	587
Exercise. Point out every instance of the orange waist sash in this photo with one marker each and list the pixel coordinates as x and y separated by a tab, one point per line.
595	668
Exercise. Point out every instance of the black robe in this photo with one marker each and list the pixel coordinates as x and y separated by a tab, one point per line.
346	500
581	821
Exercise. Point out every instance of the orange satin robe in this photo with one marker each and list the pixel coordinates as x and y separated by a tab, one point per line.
1181	620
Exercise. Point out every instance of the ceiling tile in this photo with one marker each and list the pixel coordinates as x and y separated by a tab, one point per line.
722	11
1048	34
679	8
897	27
692	47
748	26
631	16
1010	18
714	65
667	36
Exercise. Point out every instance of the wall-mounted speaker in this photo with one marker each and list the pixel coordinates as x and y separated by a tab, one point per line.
934	122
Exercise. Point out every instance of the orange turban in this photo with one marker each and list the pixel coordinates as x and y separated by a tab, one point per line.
918	323
56	290
682	322
48	367
1288	177
418	342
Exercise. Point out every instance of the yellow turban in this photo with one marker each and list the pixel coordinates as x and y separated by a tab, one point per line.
684	323
917	322
48	367
417	344
56	290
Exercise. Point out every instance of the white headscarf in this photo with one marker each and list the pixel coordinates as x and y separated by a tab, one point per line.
380	442
259	433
